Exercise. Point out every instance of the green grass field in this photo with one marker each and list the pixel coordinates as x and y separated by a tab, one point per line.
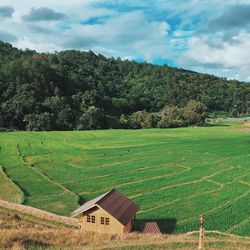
173	174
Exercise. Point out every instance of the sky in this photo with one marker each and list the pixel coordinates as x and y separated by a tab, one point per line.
208	36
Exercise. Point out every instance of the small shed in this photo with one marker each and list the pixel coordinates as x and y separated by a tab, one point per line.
111	213
150	228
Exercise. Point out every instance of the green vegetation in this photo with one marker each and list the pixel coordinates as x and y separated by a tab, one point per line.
74	90
8	190
173	174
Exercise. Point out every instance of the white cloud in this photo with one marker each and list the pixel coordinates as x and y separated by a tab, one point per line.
227	56
124	35
25	43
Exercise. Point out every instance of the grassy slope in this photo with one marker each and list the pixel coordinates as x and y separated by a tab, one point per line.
9	191
174	174
37	215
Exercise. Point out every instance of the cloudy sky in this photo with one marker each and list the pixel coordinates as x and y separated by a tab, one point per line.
211	36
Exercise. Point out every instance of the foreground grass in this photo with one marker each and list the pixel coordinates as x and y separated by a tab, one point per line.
173	174
24	231
68	239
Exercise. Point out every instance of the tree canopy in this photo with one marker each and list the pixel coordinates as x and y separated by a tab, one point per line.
71	90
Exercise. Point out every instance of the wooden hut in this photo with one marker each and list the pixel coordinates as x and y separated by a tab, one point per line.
110	213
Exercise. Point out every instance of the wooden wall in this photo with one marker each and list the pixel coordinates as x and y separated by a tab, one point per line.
127	228
114	227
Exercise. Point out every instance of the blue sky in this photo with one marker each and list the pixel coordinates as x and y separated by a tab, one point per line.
210	36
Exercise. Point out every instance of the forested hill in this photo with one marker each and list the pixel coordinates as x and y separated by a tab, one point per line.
81	90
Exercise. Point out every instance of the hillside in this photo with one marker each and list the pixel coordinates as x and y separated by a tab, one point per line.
173	174
73	90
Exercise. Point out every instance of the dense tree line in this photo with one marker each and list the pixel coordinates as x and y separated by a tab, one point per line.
81	90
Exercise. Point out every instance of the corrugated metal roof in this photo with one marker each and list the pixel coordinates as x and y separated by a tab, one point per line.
88	205
113	202
150	228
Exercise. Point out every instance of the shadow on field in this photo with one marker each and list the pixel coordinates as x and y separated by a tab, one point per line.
166	225
81	200
217	125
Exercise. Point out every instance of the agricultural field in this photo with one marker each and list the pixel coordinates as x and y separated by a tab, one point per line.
173	174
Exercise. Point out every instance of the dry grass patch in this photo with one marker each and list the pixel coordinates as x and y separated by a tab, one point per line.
74	239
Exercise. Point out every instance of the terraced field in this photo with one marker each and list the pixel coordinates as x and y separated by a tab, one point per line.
173	174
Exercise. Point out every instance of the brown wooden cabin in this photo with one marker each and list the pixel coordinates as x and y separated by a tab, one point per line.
110	213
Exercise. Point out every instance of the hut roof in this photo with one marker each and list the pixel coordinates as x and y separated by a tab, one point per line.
150	228
113	202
